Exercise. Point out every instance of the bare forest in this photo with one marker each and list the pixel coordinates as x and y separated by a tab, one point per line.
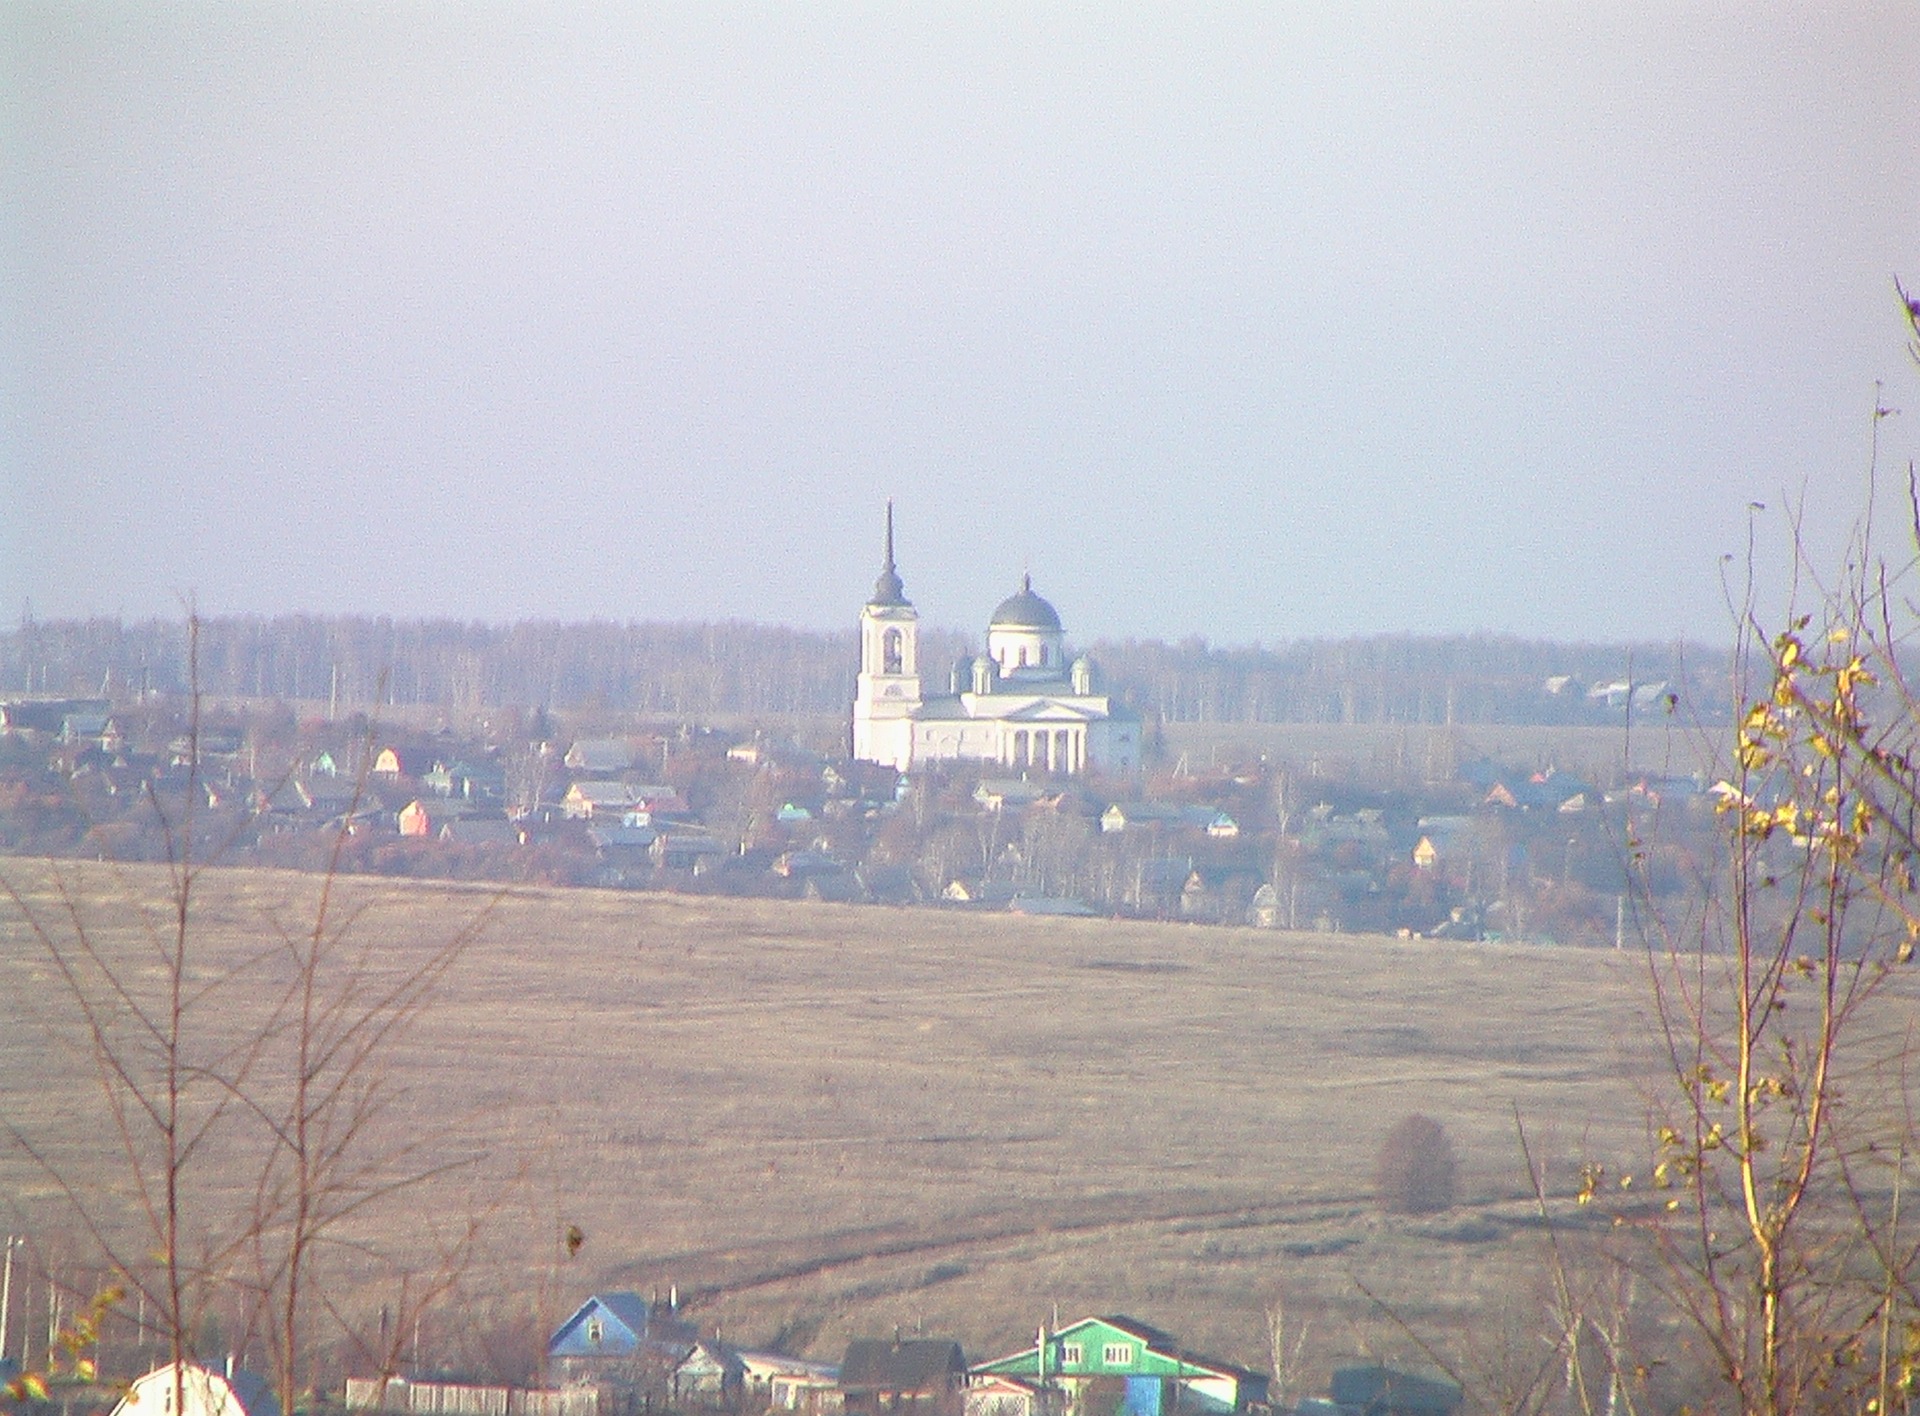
704	671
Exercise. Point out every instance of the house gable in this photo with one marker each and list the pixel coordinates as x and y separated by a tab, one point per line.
204	1391
1121	1347
606	1325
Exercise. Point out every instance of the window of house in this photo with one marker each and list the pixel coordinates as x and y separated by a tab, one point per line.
1117	1354
595	1331
1070	1354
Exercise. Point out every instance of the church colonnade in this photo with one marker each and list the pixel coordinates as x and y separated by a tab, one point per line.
1047	749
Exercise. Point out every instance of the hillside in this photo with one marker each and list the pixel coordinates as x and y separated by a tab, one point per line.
820	1121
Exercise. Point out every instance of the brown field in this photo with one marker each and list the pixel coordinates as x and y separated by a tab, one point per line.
821	1121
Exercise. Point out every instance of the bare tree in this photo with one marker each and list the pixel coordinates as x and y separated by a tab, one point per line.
334	1025
1286	1352
277	1053
1785	1149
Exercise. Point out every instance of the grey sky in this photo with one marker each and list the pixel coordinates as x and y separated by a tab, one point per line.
1253	322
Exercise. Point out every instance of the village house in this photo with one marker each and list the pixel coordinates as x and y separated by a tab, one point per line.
637	803
469	781
999	793
1056	906
1119	1364
600	757
202	1391
924	1376
791	1383
621	1340
46	717
972	890
428	816
490	830
402	761
1218	894
209	746
1132	816
709	1374
586	800
687	850
625	847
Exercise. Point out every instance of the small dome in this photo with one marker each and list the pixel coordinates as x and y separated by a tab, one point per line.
888	589
1025	611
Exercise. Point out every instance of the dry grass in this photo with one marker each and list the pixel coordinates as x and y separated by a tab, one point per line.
821	1121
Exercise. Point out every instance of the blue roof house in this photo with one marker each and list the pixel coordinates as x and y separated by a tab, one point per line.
618	1337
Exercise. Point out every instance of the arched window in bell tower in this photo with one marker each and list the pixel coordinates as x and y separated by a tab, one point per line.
891	661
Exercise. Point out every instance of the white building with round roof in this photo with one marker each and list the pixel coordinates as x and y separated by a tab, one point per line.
1023	706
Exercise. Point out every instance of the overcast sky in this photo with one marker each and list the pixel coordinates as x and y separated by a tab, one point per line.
1250	322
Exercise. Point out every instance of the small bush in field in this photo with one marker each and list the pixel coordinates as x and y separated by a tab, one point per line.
1414	1174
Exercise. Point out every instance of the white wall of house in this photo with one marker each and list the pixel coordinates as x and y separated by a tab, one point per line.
203	1392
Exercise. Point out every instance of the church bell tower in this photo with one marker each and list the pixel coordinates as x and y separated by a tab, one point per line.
888	693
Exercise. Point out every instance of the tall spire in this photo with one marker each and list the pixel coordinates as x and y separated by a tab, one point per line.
888	590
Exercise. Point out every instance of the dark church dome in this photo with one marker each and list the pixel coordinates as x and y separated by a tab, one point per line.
1025	611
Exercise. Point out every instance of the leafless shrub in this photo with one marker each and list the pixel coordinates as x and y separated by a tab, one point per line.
1414	1173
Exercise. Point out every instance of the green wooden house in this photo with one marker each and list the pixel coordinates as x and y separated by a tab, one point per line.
1118	1366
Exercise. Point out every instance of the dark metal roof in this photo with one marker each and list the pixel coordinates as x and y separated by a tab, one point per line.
1381	1390
875	1364
1025	610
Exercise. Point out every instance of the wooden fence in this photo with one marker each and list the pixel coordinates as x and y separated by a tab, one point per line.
404	1398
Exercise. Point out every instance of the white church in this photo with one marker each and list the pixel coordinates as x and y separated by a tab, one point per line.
1022	705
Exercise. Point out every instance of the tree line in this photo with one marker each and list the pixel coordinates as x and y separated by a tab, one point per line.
350	663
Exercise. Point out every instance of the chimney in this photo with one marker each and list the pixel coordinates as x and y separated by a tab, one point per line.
229	1368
